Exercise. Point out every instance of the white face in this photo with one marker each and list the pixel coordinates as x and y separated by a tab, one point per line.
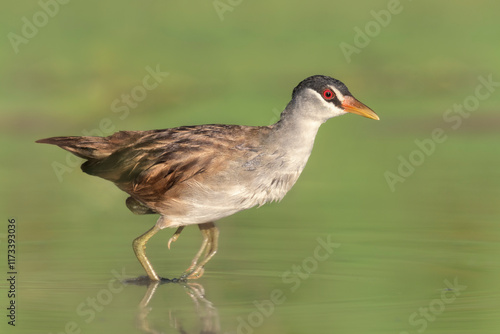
324	105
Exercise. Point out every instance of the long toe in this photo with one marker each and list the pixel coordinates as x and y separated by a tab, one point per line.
172	239
195	274
175	236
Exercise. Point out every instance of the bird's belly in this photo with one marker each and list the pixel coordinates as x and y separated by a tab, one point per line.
206	207
207	204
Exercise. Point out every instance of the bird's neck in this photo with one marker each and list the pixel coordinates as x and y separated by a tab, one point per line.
295	126
295	131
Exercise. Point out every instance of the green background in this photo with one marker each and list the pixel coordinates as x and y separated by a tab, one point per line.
397	246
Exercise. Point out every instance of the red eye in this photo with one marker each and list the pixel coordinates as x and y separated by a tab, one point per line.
328	94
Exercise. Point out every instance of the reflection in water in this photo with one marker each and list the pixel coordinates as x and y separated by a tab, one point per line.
205	310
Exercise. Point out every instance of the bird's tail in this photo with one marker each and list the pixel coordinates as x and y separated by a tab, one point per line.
83	147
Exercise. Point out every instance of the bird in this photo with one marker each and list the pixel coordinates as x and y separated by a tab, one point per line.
196	175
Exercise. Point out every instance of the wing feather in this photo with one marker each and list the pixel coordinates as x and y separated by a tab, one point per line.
157	165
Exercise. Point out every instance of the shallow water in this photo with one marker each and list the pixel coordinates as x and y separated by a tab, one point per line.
274	273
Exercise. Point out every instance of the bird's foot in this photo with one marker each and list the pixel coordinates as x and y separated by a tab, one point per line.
175	236
193	273
178	280
145	280
172	239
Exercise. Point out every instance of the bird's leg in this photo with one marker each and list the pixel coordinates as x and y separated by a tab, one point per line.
139	245
175	236
209	245
213	244
204	244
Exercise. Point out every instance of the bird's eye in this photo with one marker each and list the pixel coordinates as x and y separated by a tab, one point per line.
328	94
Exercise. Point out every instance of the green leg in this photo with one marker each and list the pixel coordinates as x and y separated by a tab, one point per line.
209	246
139	246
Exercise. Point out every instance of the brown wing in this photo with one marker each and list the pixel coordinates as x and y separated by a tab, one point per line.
161	160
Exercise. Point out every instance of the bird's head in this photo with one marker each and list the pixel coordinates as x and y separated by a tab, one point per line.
321	97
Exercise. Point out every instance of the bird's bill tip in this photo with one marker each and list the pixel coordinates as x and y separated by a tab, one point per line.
350	104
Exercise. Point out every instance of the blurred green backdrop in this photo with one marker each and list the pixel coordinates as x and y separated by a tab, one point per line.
407	217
